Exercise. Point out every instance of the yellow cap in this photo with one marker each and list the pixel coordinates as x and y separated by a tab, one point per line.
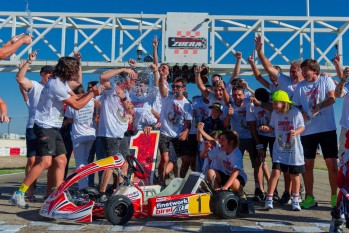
281	96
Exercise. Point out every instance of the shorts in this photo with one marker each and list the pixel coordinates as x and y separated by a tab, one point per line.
114	146
292	169
250	146
180	147
327	141
267	142
49	142
31	142
192	146
225	178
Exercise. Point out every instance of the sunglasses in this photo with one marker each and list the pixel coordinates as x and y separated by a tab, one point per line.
176	86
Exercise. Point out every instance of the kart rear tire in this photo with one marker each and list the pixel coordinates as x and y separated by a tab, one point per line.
119	210
92	193
225	204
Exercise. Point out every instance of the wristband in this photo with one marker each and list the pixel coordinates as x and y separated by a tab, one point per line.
343	80
29	61
124	99
259	146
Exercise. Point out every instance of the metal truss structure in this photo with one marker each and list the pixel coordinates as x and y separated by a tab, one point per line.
109	40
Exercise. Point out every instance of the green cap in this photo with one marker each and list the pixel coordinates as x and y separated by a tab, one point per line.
281	96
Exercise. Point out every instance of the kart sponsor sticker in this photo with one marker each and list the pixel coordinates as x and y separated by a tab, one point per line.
178	206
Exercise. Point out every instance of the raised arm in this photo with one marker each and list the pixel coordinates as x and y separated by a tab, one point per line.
199	82
13	45
164	72
264	60
236	71
24	83
106	76
155	51
339	91
257	74
336	62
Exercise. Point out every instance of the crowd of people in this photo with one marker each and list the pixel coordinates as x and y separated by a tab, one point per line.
289	117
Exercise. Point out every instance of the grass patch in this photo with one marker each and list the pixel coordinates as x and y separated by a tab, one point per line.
4	171
11	170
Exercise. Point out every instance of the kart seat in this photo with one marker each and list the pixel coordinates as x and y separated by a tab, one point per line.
174	187
193	182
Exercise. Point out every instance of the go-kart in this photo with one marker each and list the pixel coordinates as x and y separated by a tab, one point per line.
181	198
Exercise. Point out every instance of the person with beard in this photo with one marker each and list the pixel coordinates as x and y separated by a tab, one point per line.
175	118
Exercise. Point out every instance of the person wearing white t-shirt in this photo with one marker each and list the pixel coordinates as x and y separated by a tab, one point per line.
83	132
287	123
315	96
48	120
32	90
228	160
175	118
114	117
285	83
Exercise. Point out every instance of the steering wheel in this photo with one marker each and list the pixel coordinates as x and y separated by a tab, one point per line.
130	160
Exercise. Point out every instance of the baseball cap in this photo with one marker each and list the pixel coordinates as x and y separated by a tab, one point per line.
281	96
47	69
217	106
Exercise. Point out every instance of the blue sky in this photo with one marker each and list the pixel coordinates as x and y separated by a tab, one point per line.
9	88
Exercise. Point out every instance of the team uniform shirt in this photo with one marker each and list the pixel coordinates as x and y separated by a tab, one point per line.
226	163
33	100
310	94
238	119
173	115
287	150
142	109
201	111
344	121
285	84
261	116
113	120
82	127
49	111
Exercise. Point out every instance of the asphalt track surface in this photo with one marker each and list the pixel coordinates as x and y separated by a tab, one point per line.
280	219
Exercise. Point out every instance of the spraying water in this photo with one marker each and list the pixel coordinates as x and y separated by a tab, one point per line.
30	19
144	83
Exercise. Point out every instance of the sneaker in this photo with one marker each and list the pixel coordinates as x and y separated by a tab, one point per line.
333	200
285	199
308	202
18	200
258	195
269	204
295	205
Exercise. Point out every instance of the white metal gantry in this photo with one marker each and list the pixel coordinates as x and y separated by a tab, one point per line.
109	40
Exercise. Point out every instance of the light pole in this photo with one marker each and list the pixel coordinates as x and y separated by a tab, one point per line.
307	8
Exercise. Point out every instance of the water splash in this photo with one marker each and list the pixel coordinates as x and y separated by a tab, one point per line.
144	83
29	30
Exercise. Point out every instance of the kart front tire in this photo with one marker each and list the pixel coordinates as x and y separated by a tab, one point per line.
119	210
226	204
